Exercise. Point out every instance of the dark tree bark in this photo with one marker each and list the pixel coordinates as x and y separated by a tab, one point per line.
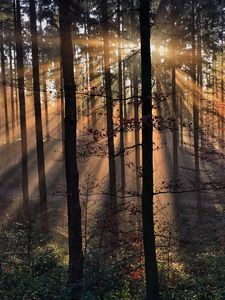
72	176
199	73
124	65
120	85
195	97
45	92
16	90
151	270
46	107
38	118
62	111
175	115
21	87
12	93
4	83
134	65
109	108
195	100
92	99
181	100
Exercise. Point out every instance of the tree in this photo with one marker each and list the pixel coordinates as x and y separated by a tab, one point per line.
12	91
38	118
72	176
121	114
151	270
4	82
21	87
110	132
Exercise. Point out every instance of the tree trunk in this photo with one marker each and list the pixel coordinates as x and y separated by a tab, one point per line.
134	65
151	270
109	108
4	83
72	176
195	98
45	91
62	112
38	119
21	86
120	85
199	76
12	93
16	90
46	107
175	119
91	79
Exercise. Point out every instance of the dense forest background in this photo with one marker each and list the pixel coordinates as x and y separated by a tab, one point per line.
112	144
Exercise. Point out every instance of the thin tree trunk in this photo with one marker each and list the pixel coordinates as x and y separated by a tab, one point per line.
181	100
72	176
175	121
45	91
12	93
16	91
123	35
120	85
38	119
21	87
92	90
134	65
109	108
46	107
4	83
91	81
195	98
62	112
199	76
151	270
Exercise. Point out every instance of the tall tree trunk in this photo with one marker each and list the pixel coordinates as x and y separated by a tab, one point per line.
91	79
38	119
137	126
21	87
175	131
181	109
12	93
123	35
16	90
195	98
72	176
120	85
109	108
134	65
46	107
4	89
92	90
62	112
151	270
45	90
199	75
175	116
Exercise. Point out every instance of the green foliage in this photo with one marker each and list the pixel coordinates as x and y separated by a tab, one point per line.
113	278
29	271
199	277
44	278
